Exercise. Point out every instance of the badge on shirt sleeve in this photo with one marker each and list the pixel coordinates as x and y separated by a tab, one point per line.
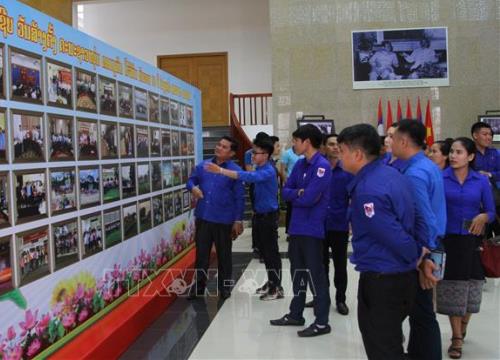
369	209
320	172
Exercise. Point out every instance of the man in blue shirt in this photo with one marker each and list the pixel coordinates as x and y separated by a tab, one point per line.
288	161
307	190
265	224
384	227
428	192
487	160
219	214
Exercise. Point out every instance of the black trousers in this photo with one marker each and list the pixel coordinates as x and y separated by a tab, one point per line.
208	233
337	241
384	301
266	235
288	215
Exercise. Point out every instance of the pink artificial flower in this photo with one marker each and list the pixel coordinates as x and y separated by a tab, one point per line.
15	354
84	314
43	324
29	323
136	275
107	296
68	320
57	309
100	284
11	333
80	292
116	271
34	348
118	292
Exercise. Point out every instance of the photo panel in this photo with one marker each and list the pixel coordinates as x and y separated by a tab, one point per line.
109	140
175	143
176	173
31	195
4	200
168	206
190	166
178	202
166	148
28	134
154	107
26	76
189	117
59	84
167	174
2	73
142	141
65	241
182	115
92	235
62	190
112	227
61	143
155	142
144	215
190	143
125	100
128	180
87	139
186	201
110	183
184	171
184	144
141	104
107	96
174	113
6	273
86	86
164	111
129	220
156	176
89	183
3	137
143	178
33	254
127	139
157	205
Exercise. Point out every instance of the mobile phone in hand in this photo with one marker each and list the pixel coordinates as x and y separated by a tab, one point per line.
439	259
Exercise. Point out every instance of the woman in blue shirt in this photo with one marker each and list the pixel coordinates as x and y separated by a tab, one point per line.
469	207
439	153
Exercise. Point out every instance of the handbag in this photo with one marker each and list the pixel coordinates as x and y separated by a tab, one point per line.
490	257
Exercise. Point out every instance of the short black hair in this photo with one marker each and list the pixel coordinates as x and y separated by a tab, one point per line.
414	129
444	145
261	135
274	139
265	144
395	124
327	136
234	143
310	132
361	136
478	126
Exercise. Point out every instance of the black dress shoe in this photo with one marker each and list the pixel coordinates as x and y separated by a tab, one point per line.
314	330
342	308
309	304
287	321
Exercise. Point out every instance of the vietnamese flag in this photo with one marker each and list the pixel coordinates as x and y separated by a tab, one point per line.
429	137
389	115
419	111
380	119
399	114
408	110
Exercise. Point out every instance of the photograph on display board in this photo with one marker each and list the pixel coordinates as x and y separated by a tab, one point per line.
178	202
65	240
91	226
164	111
59	84
190	166
125	100
174	113
33	254
168	206
107	96
110	183
4	200
3	136
141	104
129	220
143	178
186	200
61	145
166	170
176	173
86	99
154	107
144	215
156	176
6	278
184	171
175	143
155	141
190	143
90	191
109	140
112	227
31	195
87	139
157	205
128	180
142	141
182	115
165	143
28	134
2	72
62	190
25	76
127	141
189	116
184	144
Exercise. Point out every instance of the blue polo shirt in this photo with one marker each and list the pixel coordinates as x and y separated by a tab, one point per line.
248	157
466	201
309	209
266	187
223	198
384	221
489	161
336	217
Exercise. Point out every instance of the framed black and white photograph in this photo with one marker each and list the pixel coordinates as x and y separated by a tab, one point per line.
325	126
129	220
141	104
62	190
143	178
174	113
186	200
175	143
176	173
166	147
178	202
26	76
184	144
112	220
127	149
166	170
6	273
190	143
155	142
189	116
164	111
2	73
31	195
154	107
87	139
107	96
157	208
156	176
184	171
3	137
4	200
65	240
86	88
61	143
190	166
182	115
125	100
144	215
59	84
399	58
494	122
110	183
89	184
128	180
109	140
28	137
33	254
142	141
168	206
91	235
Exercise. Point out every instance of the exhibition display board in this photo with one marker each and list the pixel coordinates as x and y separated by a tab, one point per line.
95	148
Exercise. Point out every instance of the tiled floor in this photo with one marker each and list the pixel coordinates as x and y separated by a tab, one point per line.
240	329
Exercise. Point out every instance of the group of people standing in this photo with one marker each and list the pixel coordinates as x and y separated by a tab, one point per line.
401	207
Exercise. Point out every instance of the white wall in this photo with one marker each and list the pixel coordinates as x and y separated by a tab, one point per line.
147	28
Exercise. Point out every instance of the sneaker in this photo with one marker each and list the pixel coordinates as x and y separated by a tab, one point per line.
274	294
314	330
263	289
287	321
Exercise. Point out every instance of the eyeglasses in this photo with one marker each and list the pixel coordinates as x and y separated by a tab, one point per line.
257	153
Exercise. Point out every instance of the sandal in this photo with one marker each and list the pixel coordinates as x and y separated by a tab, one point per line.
455	352
464	329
